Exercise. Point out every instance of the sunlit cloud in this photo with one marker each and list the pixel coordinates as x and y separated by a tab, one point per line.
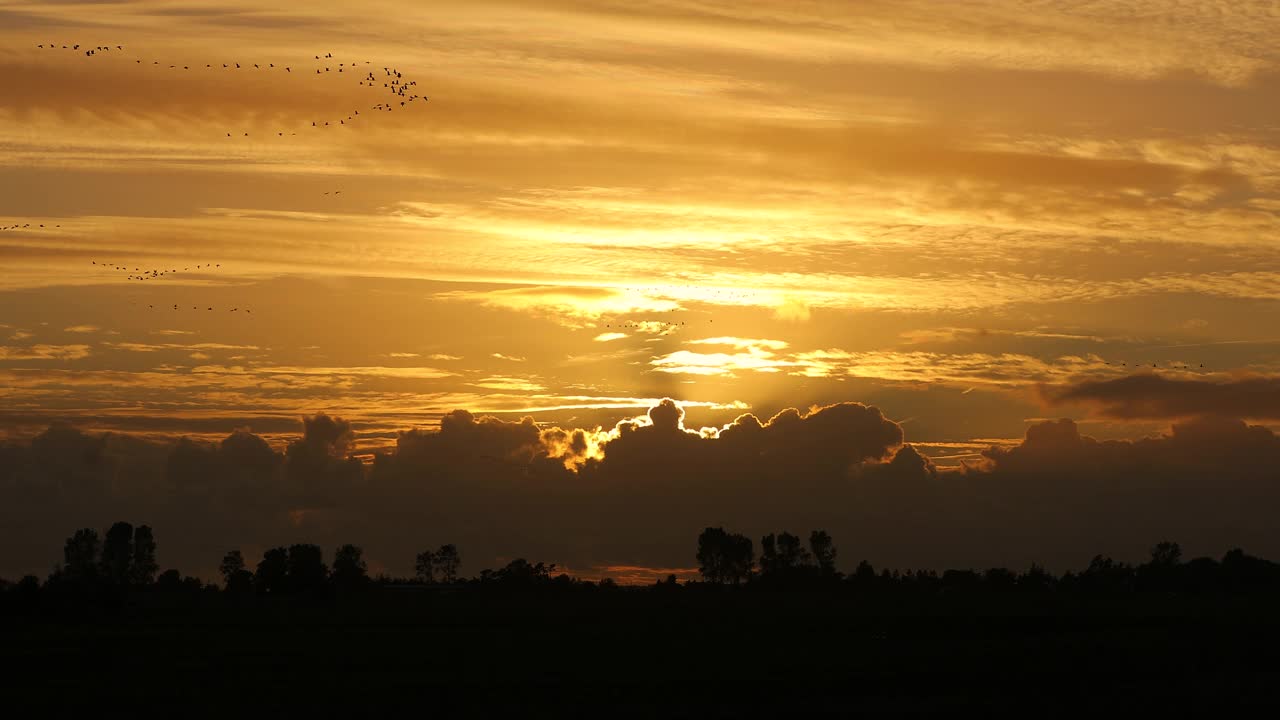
509	383
741	343
744	201
45	352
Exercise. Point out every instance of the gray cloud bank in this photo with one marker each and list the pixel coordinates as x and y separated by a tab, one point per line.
639	493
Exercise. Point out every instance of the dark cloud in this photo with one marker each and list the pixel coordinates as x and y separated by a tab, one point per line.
637	494
1147	397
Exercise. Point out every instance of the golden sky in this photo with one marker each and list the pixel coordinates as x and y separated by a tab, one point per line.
967	214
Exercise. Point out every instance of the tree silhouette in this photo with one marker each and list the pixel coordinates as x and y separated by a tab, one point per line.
80	556
1163	571
769	563
143	569
117	553
234	573
170	579
272	571
519	573
725	557
791	554
349	569
446	563
864	576
1166	554
783	558
824	552
306	569
425	566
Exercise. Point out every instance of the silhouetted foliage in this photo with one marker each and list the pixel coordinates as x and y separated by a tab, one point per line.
782	557
144	568
424	566
349	569
272	571
80	556
519	573
725	557
117	553
446	562
236	577
824	552
109	573
306	569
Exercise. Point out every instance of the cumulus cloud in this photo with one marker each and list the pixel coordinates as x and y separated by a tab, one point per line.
1157	397
636	494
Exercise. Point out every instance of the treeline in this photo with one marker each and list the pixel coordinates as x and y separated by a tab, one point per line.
727	558
120	564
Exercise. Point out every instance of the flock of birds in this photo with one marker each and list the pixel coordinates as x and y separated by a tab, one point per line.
153	273
195	307
144	274
402	92
1167	366
401	89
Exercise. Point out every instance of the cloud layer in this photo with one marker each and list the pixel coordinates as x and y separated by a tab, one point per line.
636	494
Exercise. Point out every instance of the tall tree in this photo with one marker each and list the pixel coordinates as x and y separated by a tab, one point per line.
235	575
80	555
769	563
143	569
349	568
725	557
117	553
824	552
272	571
307	571
741	557
447	560
791	553
711	555
425	566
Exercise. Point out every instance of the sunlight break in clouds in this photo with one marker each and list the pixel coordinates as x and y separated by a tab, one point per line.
990	197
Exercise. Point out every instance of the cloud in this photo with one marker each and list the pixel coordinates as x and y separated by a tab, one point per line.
509	383
1157	397
149	347
741	343
758	356
510	358
81	329
606	337
637	494
45	352
567	303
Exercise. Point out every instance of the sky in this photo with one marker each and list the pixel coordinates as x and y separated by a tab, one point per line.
976	217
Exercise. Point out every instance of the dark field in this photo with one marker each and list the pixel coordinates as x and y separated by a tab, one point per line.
675	653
